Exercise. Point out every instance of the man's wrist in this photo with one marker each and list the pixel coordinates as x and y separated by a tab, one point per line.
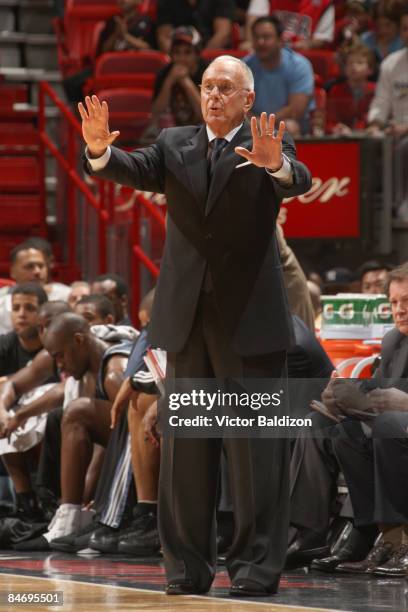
272	170
283	173
94	154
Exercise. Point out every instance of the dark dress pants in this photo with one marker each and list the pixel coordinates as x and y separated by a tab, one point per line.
314	471
189	473
376	468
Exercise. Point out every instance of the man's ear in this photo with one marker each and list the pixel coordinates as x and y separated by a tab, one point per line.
79	339
109	319
124	301
249	101
12	273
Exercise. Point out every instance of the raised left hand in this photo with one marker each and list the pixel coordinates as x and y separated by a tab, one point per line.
266	145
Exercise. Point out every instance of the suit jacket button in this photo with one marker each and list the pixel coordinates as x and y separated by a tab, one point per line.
208	236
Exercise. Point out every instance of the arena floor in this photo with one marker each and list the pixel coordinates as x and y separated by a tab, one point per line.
118	584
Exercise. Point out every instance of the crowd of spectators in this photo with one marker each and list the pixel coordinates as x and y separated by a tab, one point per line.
272	33
325	67
80	446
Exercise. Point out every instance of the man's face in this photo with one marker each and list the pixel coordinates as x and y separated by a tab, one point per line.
43	324
374	282
77	293
30	265
24	315
357	67
89	312
386	28
185	55
108	288
71	354
404	30
225	97
267	44
398	295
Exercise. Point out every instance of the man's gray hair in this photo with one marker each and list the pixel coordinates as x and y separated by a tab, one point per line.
249	77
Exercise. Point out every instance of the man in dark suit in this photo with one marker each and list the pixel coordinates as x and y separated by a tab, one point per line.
373	459
220	311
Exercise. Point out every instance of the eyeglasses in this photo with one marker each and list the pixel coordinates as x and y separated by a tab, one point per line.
224	89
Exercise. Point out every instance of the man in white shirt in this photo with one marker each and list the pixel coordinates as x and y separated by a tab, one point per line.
389	110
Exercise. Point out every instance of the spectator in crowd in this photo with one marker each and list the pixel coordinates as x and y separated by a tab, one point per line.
20	345
55	290
27	394
389	110
212	18
337	280
17	349
27	264
348	102
133	29
373	277
284	81
115	288
176	89
96	309
307	23
349	28
78	290
385	38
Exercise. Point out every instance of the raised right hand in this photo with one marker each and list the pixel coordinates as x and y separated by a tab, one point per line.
95	126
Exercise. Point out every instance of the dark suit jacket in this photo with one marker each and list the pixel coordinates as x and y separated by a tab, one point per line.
394	359
393	368
228	225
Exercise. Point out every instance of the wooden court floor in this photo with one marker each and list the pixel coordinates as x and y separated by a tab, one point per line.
83	597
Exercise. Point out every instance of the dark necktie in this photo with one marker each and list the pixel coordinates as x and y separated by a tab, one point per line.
217	146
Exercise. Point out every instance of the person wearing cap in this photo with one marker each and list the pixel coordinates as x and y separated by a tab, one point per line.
337	280
176	88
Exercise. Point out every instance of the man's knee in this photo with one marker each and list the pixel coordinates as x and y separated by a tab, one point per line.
77	411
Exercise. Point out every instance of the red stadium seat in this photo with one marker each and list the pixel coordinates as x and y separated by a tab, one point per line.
19	212
10	94
129	112
18	137
19	174
130	62
128	69
127	100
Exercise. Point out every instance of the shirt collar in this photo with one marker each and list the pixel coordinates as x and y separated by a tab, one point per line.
228	137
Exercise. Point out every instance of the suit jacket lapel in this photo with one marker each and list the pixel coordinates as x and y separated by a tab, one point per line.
399	364
226	164
194	155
